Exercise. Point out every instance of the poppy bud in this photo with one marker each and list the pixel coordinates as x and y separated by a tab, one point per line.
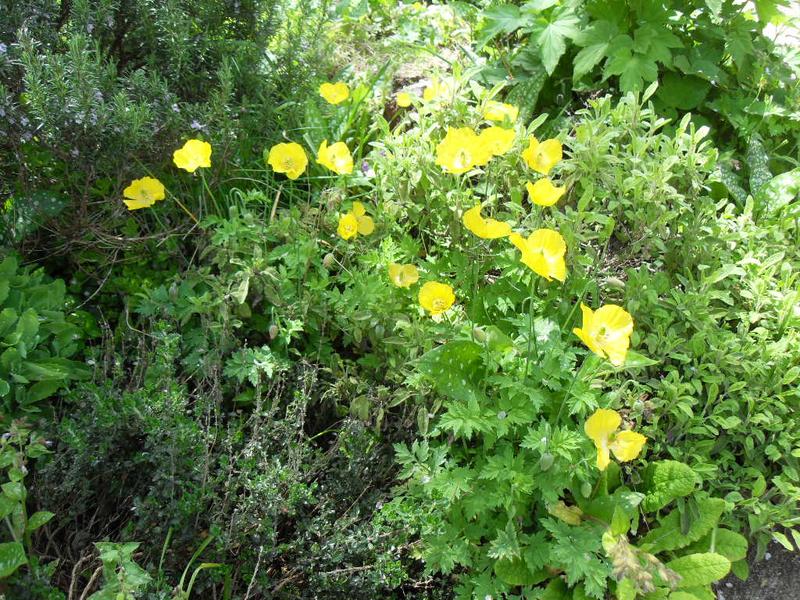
546	461
328	261
273	331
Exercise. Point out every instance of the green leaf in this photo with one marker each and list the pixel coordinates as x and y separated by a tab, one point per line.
38	519
516	572
758	165
783	540
506	545
626	590
633	68
699	569
684	92
778	192
556	590
553	33
729	544
12	557
741	569
499	20
669	536
670	479
454	368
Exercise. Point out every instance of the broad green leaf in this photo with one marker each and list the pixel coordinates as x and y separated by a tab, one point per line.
741	569
670	479
454	368
626	590
556	590
12	557
516	572
699	569
668	535
38	519
778	192
684	92
758	165
729	544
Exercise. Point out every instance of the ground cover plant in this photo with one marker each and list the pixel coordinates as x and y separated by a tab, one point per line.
402	301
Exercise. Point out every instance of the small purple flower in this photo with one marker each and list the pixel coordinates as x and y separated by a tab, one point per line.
3	48
196	125
175	108
367	170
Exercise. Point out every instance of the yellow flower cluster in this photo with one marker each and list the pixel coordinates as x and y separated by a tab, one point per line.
462	149
542	157
146	191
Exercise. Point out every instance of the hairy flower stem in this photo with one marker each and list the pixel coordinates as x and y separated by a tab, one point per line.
531	328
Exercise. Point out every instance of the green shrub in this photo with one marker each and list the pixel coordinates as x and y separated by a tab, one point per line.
38	339
95	93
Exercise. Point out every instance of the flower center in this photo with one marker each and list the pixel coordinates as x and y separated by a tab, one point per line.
462	159
439	304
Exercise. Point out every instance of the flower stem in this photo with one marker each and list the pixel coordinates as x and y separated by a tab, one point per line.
186	210
531	328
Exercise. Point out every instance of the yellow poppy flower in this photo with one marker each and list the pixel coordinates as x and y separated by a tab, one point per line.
403	275
336	157
499	111
403	99
436	297
437	89
543	192
606	332
143	193
601	428
348	226
497	140
334	93
355	222
542	156
488	229
288	158
365	223
543	252
461	150
194	155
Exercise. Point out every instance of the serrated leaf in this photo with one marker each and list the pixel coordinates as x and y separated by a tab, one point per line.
506	545
551	35
668	535
499	20
12	557
699	569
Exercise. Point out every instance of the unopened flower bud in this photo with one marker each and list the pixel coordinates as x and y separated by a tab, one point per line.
273	331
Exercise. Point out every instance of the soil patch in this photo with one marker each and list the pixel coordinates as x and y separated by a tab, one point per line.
777	577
